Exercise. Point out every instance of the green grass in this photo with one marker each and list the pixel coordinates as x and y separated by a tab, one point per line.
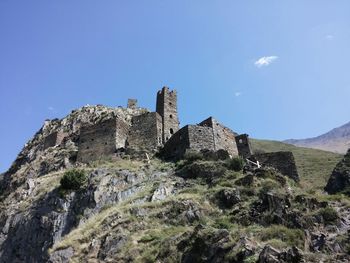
314	166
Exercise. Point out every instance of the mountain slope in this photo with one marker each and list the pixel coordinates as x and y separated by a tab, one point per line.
336	140
137	208
314	166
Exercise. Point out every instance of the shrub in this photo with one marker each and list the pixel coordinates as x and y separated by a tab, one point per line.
235	164
191	156
329	215
73	179
205	170
292	237
268	185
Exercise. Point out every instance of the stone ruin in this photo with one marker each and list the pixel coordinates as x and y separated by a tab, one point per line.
207	135
282	161
137	130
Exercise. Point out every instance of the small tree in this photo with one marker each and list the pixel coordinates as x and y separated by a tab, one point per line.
73	179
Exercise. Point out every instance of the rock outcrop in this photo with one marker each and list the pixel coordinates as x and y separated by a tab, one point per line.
339	181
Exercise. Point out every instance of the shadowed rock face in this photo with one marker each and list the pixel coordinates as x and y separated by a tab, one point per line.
339	181
26	236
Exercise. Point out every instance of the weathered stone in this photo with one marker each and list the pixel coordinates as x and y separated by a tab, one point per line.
209	135
269	255
62	256
145	131
132	103
272	255
101	140
166	107
243	146
111	245
228	197
162	192
283	162
339	181
206	247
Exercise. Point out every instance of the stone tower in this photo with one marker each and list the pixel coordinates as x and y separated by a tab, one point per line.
167	109
243	146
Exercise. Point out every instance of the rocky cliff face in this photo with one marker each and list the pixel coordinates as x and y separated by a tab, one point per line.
336	140
200	209
37	158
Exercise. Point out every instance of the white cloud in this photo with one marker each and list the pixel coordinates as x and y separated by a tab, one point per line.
237	94
265	61
50	108
329	37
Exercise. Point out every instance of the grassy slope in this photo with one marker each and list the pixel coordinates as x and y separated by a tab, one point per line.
314	166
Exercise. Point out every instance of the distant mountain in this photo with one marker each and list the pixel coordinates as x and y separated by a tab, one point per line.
336	140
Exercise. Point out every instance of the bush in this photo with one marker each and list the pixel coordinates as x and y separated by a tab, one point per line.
205	170
235	164
292	237
329	215
73	179
191	156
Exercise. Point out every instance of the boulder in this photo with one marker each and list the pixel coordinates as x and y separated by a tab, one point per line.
272	255
228	197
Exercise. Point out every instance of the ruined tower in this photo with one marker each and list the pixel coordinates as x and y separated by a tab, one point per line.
132	103
243	145
167	109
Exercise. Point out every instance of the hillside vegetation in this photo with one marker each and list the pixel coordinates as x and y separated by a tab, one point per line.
314	166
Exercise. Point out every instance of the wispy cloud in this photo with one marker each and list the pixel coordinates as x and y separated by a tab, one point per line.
329	37
52	109
238	93
265	61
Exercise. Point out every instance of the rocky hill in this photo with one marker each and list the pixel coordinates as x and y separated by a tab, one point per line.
138	208
336	140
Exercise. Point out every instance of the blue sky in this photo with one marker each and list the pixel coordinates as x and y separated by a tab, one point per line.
273	69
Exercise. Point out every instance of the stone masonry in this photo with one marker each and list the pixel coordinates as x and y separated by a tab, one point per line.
141	130
145	132
224	138
208	135
167	109
243	145
284	162
132	103
101	140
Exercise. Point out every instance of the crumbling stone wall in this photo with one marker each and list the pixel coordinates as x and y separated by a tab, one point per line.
122	132
145	131
98	141
177	145
132	103
167	109
200	138
284	162
243	145
190	137
53	139
224	138
50	140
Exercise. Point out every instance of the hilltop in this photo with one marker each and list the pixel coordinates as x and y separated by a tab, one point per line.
129	185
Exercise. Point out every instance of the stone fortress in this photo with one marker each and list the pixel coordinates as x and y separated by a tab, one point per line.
116	131
151	131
